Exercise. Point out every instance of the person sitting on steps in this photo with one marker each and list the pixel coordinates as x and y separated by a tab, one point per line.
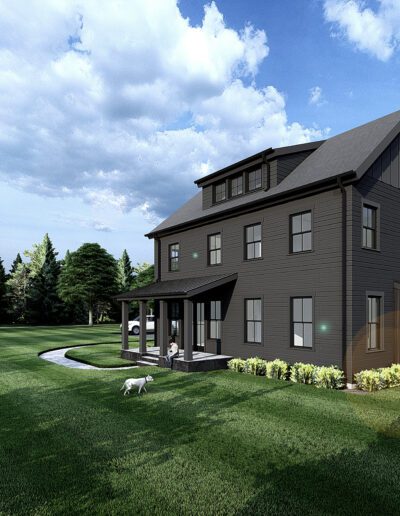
173	352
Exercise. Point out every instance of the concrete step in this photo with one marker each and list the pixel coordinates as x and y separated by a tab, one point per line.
144	363
150	358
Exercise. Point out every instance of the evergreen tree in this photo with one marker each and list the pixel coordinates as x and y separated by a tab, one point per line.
3	291
15	263
124	272
144	275
18	286
90	276
44	304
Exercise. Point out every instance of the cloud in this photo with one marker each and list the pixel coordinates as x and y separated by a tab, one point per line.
125	104
374	32
83	222
316	97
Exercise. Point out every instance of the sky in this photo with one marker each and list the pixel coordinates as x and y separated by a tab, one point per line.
110	109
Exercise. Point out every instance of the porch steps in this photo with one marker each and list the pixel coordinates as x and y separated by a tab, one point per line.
147	360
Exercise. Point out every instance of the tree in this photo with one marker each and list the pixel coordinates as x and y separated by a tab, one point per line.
124	272
90	276
44	304
15	263
3	292
18	286
144	276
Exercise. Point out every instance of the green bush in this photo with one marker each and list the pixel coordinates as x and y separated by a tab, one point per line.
369	380
255	366
237	364
329	377
277	369
303	373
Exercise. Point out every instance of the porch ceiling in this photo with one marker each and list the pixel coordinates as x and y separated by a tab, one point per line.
179	288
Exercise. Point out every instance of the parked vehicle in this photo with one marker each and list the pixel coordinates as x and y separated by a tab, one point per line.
134	325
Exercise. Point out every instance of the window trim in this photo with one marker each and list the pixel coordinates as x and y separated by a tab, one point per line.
246	341
381	295
254	241
292	322
291	234
377	207
170	258
210	320
209	264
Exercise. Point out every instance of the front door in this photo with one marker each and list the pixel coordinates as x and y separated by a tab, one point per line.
396	322
200	327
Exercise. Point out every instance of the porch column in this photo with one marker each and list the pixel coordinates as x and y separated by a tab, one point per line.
188	329
125	328
143	327
163	328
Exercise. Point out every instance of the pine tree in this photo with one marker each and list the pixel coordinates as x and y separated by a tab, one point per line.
18	285
44	303
3	292
124	272
90	276
15	263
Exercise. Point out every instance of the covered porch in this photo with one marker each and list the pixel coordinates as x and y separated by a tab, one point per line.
185	293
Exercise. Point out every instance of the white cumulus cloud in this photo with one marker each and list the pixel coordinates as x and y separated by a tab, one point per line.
126	103
376	32
316	97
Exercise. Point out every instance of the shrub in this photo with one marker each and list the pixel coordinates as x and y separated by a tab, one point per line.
277	369
237	364
369	380
255	366
329	377
303	373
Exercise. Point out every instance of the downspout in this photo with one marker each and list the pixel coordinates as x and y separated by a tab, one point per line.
344	281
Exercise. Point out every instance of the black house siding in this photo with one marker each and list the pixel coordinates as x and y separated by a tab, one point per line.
275	278
282	166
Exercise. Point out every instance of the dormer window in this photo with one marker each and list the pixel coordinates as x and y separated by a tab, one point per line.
220	192
254	180
237	186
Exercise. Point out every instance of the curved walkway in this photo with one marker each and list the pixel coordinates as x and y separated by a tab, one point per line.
57	356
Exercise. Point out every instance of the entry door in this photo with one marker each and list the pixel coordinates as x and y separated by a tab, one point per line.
200	327
397	322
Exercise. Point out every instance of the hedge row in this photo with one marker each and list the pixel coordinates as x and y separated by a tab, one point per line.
377	379
326	377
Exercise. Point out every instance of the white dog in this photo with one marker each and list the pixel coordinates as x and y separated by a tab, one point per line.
130	383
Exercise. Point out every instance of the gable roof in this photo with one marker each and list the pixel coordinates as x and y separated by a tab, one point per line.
348	153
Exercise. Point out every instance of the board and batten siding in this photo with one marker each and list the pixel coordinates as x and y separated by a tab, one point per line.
275	278
377	271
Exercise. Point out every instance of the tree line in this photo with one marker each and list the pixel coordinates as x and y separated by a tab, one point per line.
74	290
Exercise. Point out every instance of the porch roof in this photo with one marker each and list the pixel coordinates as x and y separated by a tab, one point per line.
178	288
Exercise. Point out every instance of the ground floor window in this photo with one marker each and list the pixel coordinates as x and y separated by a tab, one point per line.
215	319
174	317
374	312
200	325
302	322
253	320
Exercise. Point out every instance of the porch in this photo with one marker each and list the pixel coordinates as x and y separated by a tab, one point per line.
188	294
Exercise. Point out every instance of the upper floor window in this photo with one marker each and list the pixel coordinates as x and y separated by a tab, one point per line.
370	240
254	179
237	186
253	320
300	229
215	319
374	308
253	242
220	192
214	249
302	322
174	257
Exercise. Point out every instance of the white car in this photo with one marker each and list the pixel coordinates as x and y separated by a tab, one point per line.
134	326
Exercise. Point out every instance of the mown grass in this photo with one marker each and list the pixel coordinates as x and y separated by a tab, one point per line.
102	355
204	443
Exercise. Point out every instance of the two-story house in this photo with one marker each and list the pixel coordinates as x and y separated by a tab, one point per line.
292	253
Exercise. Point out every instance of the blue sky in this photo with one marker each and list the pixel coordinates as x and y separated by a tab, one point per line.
107	115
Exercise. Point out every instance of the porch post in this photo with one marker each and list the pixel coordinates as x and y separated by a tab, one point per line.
125	328
143	327
188	329
163	328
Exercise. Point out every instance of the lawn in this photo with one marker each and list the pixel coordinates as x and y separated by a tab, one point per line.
198	444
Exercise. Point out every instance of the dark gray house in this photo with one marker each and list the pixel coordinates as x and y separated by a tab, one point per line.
292	253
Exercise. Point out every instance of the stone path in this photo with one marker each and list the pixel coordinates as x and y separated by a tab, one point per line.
58	357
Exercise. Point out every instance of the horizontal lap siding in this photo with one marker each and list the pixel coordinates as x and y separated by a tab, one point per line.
275	278
375	271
